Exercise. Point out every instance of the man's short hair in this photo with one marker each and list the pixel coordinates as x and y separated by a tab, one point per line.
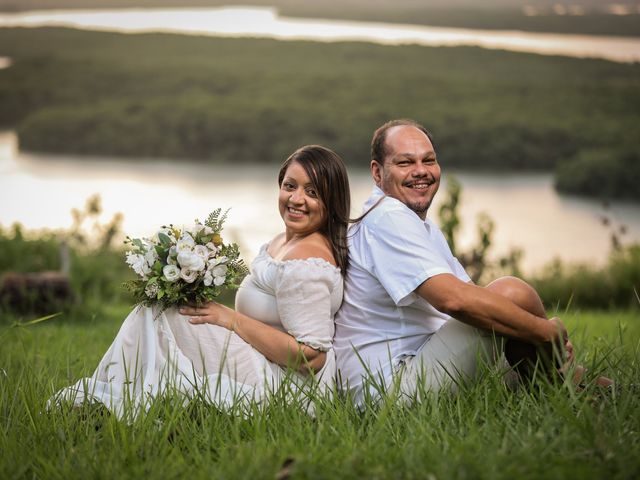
378	143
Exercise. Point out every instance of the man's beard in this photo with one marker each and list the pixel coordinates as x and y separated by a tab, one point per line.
419	207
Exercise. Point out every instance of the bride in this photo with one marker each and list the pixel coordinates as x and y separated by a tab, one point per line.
280	334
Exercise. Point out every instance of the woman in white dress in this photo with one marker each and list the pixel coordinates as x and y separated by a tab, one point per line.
280	334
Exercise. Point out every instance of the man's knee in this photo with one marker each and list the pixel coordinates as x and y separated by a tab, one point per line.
520	293
520	354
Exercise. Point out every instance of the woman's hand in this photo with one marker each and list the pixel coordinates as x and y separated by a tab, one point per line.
277	346
213	313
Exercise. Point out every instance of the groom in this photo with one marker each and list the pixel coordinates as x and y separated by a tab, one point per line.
410	310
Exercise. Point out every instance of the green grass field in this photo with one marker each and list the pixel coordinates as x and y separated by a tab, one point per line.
487	431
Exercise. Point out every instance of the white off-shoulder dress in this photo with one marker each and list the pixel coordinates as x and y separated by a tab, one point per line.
153	354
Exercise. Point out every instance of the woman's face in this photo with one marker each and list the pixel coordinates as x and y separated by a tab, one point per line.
300	208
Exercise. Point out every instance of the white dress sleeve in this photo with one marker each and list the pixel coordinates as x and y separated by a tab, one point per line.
304	290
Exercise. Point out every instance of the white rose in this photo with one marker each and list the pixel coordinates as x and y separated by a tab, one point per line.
208	279
208	230
217	281
138	263
185	244
171	273
185	258
200	264
191	261
201	251
188	276
212	249
219	271
217	261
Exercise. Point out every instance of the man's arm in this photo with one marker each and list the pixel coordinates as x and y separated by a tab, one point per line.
487	310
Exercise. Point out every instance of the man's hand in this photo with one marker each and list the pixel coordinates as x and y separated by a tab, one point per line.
561	340
560	346
558	332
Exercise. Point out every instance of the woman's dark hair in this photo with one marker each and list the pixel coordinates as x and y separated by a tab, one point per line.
329	178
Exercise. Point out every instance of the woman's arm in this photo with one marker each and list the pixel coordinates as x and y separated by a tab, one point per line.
303	296
277	346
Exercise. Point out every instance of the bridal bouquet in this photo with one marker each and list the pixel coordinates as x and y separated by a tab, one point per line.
180	266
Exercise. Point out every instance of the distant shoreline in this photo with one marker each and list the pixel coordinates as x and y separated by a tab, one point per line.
463	14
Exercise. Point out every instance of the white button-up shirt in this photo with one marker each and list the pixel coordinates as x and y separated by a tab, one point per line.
382	320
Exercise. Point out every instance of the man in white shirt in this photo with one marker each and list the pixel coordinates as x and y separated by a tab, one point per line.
409	307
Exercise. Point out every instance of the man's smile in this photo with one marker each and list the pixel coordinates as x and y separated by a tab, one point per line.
419	184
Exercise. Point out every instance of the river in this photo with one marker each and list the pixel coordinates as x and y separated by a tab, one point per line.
39	191
265	22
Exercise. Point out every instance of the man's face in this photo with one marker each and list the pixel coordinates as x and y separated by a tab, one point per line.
410	171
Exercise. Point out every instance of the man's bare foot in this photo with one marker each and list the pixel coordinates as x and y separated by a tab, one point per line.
579	373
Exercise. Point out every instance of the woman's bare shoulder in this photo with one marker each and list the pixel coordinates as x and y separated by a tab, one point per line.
312	246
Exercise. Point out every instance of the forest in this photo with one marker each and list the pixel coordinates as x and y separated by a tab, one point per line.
246	100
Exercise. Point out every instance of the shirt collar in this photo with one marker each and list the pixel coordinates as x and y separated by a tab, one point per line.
376	194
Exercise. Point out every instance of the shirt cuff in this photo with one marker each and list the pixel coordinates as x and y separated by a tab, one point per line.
405	294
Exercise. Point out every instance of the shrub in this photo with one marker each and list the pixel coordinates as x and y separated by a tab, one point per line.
616	285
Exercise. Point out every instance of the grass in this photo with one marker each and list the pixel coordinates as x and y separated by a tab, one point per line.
487	431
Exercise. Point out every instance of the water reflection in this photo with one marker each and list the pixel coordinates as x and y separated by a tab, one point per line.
265	22
40	190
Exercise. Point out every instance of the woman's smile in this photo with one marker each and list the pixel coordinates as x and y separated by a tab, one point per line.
296	212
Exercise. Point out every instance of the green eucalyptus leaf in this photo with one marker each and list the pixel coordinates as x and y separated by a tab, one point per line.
157	267
165	240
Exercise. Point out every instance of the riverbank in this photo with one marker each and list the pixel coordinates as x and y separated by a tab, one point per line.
587	19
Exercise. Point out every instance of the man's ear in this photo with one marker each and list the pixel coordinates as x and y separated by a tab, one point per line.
376	172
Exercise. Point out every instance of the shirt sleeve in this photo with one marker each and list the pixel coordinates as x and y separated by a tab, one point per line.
454	263
303	294
403	253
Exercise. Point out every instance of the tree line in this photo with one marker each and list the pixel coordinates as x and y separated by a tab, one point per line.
248	100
